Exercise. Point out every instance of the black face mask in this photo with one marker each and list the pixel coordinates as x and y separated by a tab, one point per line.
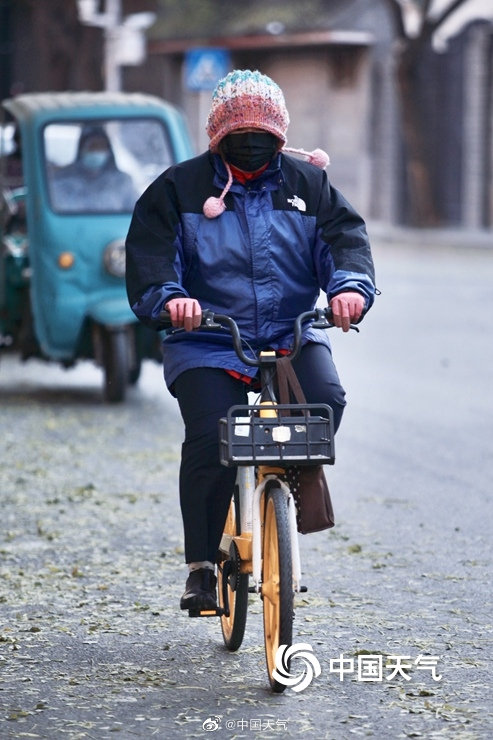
249	151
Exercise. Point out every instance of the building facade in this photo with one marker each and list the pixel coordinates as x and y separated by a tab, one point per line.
336	66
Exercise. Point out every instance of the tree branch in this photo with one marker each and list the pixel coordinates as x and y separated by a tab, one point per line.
426	8
437	22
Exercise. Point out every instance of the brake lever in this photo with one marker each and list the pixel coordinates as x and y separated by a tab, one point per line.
208	320
323	321
328	325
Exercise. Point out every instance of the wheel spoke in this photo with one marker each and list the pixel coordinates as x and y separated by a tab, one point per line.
270	589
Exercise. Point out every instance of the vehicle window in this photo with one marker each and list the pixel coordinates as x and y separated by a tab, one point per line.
103	166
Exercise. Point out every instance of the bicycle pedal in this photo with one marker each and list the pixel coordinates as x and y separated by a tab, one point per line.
218	612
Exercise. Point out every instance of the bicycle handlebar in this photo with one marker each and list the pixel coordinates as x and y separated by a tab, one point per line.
215	321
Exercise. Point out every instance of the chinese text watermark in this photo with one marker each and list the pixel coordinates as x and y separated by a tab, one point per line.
365	667
215	722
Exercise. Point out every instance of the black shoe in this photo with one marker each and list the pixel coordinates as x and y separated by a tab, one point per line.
200	590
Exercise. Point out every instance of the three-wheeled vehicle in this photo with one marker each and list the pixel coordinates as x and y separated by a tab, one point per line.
65	212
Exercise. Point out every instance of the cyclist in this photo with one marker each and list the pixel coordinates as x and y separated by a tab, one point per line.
247	230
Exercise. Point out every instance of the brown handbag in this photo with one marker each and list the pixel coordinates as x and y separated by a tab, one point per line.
307	483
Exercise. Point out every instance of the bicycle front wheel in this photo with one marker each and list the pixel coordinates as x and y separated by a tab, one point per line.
236	584
277	580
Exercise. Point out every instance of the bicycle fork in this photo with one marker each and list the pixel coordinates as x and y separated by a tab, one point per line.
257	534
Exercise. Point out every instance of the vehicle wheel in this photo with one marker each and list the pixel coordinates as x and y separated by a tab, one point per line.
277	581
137	350
134	372
115	364
232	626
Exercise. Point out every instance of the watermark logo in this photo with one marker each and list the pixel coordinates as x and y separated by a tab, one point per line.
212	723
284	658
254	724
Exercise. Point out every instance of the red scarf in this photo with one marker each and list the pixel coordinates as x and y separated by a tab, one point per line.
243	176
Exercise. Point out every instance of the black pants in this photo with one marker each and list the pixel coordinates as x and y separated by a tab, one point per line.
204	396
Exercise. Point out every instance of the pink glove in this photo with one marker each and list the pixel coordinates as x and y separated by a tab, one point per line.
347	308
185	313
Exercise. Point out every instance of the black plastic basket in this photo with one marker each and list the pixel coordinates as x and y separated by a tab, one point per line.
291	435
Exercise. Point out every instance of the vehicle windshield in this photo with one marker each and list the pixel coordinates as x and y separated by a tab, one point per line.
103	166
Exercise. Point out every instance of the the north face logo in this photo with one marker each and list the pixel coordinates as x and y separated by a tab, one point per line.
297	202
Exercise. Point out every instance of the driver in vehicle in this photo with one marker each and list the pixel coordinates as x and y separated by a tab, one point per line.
246	230
92	182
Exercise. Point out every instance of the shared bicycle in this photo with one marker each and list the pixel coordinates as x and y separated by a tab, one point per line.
260	538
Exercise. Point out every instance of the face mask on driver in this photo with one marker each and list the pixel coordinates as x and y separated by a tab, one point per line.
95	159
249	151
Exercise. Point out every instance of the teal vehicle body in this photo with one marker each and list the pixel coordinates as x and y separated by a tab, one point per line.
62	286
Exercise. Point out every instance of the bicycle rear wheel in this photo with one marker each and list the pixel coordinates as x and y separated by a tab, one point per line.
277	581
228	570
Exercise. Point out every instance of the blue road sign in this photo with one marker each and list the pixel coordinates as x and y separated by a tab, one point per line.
205	67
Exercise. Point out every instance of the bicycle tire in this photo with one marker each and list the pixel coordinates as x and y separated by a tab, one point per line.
233	627
277	581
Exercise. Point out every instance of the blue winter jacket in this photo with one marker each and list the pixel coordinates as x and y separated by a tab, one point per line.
283	237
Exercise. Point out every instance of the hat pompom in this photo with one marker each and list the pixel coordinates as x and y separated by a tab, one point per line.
213	207
319	158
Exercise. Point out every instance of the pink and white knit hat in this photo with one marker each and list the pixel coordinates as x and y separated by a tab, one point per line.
246	99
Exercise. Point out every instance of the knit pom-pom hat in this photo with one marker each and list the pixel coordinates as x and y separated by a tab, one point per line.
246	99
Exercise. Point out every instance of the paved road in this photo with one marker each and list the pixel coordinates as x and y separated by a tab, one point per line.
92	644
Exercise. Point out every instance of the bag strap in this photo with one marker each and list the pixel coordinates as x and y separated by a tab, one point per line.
287	380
